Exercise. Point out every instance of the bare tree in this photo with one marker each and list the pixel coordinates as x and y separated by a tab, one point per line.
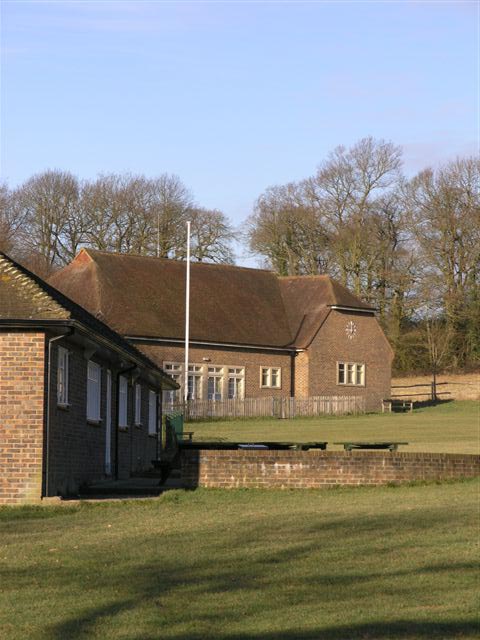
287	231
344	191
171	202
211	236
46	212
117	213
445	220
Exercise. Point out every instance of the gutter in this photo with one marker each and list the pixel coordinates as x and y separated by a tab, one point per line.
212	344
339	307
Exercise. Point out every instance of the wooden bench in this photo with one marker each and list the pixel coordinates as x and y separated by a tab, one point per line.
391	404
349	446
188	436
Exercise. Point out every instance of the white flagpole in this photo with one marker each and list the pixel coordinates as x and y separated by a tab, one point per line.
187	314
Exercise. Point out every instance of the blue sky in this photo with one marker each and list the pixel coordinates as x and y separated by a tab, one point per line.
233	96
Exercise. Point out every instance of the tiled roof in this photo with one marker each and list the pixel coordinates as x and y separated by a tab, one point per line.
145	297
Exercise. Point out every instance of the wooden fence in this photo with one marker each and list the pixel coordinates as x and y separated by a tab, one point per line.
268	407
432	393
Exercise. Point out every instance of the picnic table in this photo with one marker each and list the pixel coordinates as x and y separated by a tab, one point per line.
392	404
349	446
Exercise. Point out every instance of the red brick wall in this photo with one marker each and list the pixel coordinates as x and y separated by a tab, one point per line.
22	357
250	360
368	346
318	469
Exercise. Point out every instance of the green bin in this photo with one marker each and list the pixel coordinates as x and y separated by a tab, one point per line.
175	421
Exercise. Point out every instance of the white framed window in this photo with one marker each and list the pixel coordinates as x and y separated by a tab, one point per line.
152	412
351	374
270	377
195	382
215	383
236	377
94	383
62	376
123	402
138	404
174	370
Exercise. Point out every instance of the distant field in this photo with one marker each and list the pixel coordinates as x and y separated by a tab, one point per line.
339	564
452	427
459	387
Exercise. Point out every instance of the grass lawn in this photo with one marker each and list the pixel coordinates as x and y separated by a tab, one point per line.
452	427
386	562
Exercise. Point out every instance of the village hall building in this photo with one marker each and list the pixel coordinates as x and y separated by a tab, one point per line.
252	333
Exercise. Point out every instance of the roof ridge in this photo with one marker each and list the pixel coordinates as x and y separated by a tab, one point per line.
117	254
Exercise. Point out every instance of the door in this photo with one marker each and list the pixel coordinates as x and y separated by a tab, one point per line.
108	425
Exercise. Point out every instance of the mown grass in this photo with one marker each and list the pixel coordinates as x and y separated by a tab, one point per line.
252	565
448	427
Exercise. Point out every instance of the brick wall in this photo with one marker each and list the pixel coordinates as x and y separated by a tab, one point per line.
252	361
318	469
21	416
77	446
368	346
301	374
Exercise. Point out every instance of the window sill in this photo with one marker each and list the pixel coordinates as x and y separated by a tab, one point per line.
346	384
63	406
94	423
138	425
125	428
152	435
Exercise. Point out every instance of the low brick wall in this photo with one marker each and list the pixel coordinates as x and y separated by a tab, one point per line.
317	469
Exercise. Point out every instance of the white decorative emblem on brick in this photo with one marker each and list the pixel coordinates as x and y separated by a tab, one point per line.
351	329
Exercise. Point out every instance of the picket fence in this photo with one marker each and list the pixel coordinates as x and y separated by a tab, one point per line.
268	407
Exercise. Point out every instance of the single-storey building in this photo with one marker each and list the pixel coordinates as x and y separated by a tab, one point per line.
252	334
78	403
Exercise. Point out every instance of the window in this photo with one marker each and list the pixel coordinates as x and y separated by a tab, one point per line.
138	404
62	376
351	373
270	377
215	383
236	377
152	412
194	382
123	402
175	372
94	374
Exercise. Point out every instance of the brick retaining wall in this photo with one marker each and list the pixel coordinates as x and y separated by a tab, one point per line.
317	469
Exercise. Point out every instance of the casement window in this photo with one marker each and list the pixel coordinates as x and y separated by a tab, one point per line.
152	412
174	371
351	374
215	383
236	377
194	382
270	377
62	376
123	402
138	404
94	381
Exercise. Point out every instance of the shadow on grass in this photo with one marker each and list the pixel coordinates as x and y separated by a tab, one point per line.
148	587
